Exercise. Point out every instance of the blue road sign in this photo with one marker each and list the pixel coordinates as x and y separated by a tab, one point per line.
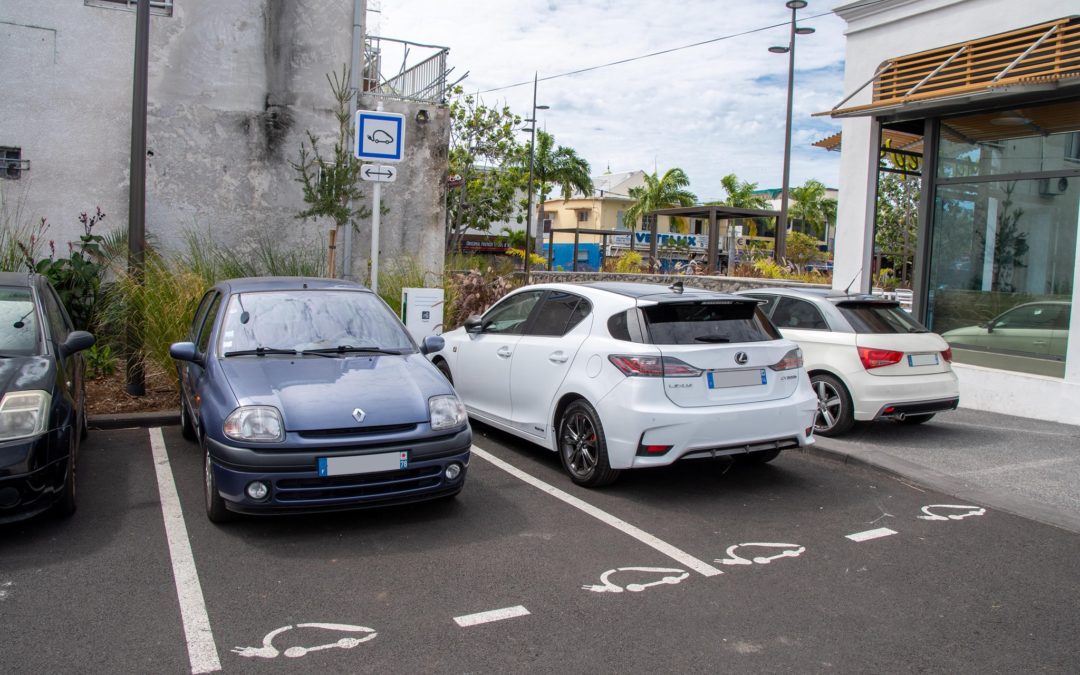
380	136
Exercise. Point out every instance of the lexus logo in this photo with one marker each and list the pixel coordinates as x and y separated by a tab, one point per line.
358	414
741	358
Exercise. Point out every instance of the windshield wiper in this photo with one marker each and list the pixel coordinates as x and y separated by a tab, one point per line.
260	351
349	349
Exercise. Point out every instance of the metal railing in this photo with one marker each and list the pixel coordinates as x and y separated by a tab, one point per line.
424	80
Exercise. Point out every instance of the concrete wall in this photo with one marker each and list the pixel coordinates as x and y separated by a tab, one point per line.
234	86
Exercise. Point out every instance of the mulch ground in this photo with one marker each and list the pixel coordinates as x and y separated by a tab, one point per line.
108	395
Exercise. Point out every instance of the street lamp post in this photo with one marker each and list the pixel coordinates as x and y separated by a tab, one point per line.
781	225
532	161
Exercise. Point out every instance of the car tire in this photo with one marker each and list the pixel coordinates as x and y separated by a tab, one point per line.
187	428
758	457
917	419
836	414
445	370
216	511
583	446
65	506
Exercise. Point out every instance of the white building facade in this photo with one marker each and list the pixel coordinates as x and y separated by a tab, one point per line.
993	89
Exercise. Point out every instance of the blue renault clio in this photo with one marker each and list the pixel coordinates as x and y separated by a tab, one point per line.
309	395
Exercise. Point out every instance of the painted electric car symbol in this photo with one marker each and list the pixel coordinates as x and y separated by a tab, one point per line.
789	551
269	651
962	511
671	576
380	136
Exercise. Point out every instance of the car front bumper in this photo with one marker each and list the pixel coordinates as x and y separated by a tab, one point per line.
632	417
295	484
31	477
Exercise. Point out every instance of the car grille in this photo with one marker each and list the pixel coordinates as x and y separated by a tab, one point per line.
358	431
373	485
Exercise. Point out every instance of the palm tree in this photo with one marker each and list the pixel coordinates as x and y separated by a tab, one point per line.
810	205
743	195
557	167
658	193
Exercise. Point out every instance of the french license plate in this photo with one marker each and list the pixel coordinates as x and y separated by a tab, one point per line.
922	359
346	466
744	377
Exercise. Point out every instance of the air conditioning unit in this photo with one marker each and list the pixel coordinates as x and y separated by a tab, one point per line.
1051	187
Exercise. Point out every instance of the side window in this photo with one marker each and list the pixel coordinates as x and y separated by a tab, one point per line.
59	325
794	313
558	314
509	315
768	304
208	323
200	315
1032	316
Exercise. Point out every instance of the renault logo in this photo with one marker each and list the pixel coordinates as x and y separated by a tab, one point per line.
358	414
740	358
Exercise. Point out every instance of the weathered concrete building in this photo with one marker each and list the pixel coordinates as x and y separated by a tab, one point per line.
233	89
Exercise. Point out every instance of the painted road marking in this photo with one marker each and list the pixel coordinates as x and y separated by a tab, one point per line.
269	651
488	617
962	511
872	534
672	576
787	551
202	652
683	558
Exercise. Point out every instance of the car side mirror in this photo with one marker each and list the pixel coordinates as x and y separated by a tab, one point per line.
185	351
77	340
431	344
474	324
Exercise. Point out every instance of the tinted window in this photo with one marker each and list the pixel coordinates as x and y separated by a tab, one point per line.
558	314
1030	316
687	323
59	324
208	323
18	322
879	318
794	313
310	319
508	316
616	325
200	315
769	302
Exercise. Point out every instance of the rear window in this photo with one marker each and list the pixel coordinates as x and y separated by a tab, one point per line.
879	317
716	322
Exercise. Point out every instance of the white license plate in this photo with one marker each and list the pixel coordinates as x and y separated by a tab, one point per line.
346	466
922	359
719	379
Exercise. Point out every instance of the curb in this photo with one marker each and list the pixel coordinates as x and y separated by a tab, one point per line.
129	420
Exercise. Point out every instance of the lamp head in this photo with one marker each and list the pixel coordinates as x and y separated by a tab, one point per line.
778	50
795	4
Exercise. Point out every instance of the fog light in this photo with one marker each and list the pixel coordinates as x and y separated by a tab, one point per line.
257	490
453	471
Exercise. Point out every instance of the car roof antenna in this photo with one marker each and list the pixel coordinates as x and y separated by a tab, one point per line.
677	287
857	275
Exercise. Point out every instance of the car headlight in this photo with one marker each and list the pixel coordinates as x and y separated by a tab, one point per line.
447	412
24	414
257	423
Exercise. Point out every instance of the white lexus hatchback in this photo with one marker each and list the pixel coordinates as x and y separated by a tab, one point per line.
867	358
616	376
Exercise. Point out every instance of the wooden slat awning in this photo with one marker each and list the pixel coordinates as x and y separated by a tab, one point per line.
1039	56
896	140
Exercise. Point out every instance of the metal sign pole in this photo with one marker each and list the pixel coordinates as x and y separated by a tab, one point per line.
377	198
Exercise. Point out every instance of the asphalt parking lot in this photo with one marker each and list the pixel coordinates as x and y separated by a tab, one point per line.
802	565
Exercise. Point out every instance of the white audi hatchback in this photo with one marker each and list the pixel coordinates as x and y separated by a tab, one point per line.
617	376
867	358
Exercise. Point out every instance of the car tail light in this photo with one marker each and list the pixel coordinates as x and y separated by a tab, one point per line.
653	366
876	358
791	361
947	355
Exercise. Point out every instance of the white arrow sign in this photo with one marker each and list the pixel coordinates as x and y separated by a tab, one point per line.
378	173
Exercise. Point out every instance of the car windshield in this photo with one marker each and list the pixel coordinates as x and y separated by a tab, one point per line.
707	322
310	320
19	333
879	317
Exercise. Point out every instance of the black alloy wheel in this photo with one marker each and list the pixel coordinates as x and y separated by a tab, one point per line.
583	446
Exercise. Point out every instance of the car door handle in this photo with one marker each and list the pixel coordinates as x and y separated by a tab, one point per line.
557	357
504	352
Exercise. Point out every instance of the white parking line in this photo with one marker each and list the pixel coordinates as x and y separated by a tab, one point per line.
872	534
493	615
683	558
202	652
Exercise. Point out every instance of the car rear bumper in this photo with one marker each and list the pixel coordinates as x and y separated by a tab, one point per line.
902	410
709	431
296	486
873	394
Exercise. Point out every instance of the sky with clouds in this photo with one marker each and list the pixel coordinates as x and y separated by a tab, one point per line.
710	110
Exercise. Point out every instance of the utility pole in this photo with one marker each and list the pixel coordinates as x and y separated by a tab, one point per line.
136	385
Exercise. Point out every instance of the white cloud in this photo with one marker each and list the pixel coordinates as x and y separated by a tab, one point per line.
711	110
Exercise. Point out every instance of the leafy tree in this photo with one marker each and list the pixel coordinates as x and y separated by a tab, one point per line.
555	167
802	249
809	205
665	192
485	161
331	182
742	195
898	209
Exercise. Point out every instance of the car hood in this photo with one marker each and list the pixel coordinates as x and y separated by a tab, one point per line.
22	373
321	393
